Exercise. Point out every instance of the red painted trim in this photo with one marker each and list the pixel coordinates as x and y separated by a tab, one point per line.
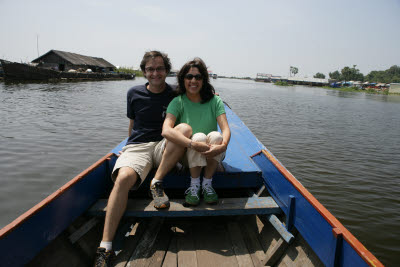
21	219
258	153
361	250
337	232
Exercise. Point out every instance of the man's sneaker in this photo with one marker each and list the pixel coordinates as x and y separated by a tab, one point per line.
103	257
209	194
161	200
193	195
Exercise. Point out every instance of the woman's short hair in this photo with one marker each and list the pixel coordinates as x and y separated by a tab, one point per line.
207	91
153	54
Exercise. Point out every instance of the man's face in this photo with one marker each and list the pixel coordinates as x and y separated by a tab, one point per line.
155	71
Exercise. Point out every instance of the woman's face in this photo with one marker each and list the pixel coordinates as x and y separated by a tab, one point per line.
193	81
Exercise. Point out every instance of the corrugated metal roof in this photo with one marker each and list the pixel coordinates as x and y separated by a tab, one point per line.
77	59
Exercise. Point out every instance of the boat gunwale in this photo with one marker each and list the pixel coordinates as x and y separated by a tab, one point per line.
329	217
42	204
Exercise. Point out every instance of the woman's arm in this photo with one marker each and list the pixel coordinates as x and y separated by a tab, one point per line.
175	136
226	136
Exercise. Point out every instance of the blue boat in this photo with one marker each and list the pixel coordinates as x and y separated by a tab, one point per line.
265	217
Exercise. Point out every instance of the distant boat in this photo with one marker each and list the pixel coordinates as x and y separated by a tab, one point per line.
256	194
25	72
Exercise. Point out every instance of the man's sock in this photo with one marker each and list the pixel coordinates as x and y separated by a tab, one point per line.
106	245
154	181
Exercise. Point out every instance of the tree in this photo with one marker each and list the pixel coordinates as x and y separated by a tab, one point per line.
319	75
294	70
391	75
352	74
335	75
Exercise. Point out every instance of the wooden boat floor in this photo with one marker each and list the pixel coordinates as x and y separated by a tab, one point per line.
246	240
208	241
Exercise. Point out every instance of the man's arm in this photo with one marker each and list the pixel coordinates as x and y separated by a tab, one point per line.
130	127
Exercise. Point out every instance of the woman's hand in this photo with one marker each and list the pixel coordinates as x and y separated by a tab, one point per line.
214	150
200	146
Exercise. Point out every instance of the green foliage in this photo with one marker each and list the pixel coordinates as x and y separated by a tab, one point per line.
280	83
356	89
352	74
335	75
129	70
391	75
319	75
294	70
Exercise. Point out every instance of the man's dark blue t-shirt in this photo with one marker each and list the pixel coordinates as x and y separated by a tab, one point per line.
148	111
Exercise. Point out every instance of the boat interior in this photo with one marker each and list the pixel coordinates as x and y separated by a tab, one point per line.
245	228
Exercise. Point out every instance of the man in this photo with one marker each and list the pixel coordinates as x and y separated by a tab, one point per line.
146	109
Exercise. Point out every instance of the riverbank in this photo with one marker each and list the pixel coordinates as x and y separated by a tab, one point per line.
355	89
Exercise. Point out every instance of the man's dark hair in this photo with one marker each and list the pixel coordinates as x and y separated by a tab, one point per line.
207	91
153	54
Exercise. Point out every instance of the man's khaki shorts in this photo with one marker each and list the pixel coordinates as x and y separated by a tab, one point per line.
141	158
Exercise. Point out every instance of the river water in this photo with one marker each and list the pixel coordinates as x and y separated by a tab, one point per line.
343	147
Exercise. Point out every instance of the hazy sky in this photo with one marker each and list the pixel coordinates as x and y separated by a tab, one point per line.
238	38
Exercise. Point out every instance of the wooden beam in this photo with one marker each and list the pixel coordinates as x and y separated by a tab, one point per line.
226	206
77	234
275	253
143	249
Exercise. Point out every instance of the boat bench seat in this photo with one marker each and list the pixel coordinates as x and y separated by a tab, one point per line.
239	170
226	206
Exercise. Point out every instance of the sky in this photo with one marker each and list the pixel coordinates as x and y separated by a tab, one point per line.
234	38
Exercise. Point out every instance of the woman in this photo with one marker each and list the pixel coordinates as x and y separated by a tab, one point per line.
198	107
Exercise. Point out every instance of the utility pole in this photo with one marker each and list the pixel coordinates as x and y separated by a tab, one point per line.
37	44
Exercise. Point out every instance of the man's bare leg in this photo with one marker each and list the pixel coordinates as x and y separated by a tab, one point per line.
117	201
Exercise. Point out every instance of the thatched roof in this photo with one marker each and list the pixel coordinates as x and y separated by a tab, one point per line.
76	59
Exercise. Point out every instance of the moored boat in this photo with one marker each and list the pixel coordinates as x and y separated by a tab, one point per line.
244	229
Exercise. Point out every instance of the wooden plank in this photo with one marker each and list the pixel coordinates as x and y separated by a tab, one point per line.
226	206
161	246
171	258
77	234
60	253
299	253
275	253
213	246
186	248
130	244
143	249
253	245
267	236
124	228
277	224
242	254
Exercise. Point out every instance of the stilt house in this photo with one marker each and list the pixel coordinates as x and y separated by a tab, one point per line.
64	61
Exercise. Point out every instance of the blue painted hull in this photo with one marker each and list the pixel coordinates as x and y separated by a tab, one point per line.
248	164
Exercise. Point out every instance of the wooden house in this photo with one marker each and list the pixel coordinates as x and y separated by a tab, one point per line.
65	61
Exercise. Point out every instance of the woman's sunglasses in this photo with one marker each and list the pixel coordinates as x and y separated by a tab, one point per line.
198	77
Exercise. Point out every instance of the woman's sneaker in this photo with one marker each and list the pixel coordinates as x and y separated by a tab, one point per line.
193	195
209	195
